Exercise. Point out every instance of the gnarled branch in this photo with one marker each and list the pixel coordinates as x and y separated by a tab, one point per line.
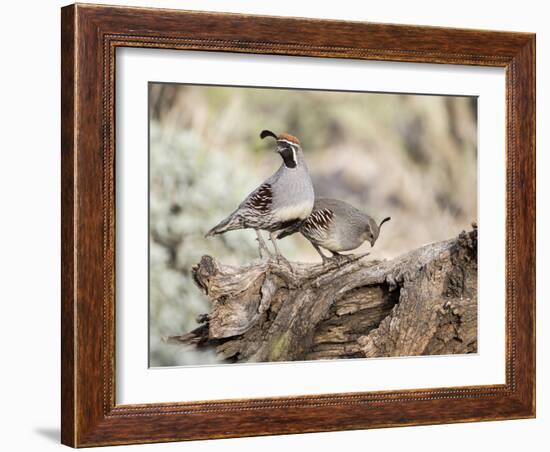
421	303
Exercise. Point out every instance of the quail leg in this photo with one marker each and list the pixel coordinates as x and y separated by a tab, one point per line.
262	245
342	258
278	254
325	258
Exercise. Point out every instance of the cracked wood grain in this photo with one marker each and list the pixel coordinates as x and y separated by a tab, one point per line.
421	303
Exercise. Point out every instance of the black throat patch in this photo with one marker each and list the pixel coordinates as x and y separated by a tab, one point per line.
288	155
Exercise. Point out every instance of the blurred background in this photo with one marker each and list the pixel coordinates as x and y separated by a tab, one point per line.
411	157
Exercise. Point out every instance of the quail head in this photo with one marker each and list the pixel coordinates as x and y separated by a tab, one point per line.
283	200
336	226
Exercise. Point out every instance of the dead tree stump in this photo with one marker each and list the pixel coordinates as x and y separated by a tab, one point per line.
421	303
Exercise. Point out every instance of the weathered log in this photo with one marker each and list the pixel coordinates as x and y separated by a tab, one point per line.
421	303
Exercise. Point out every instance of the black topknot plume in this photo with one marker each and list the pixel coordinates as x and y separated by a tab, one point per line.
383	221
267	133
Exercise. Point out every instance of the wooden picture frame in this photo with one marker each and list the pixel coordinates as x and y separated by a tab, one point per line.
90	36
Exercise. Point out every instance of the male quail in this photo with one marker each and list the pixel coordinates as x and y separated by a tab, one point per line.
336	226
282	200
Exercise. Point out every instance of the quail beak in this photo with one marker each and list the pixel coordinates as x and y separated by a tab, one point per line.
372	242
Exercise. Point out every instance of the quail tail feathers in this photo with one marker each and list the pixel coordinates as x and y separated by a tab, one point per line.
228	224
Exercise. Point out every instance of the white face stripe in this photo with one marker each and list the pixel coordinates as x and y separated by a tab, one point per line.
289	142
293	146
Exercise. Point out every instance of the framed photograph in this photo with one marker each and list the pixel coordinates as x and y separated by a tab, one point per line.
269	232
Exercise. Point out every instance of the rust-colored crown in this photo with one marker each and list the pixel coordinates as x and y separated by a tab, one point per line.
289	137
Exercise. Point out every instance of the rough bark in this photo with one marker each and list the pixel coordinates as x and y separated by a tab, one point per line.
421	303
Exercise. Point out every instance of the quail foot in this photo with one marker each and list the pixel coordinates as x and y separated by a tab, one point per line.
282	201
336	226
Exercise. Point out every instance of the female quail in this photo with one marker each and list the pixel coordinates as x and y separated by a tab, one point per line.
284	199
336	226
